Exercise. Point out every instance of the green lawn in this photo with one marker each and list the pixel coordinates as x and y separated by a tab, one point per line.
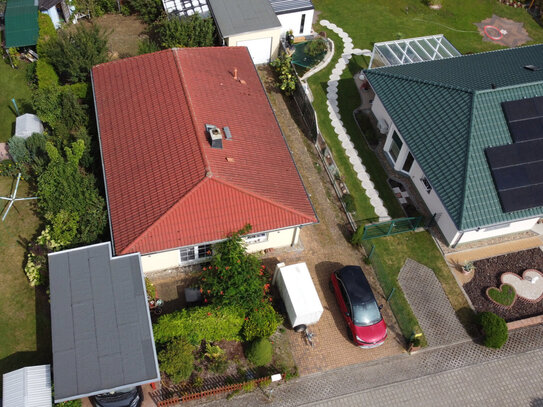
389	257
25	336
12	85
368	21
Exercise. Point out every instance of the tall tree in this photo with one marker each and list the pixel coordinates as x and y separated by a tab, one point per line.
193	31
65	190
73	53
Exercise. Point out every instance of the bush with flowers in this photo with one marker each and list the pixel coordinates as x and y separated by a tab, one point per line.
234	277
261	322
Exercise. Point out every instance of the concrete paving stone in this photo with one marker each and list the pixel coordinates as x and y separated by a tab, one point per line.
430	305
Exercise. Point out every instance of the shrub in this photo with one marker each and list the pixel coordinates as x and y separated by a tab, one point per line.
177	360
494	328
150	288
70	403
146	46
80	90
18	150
348	200
47	77
148	10
262	322
285	74
197	324
73	53
234	278
259	352
192	31
46	31
315	47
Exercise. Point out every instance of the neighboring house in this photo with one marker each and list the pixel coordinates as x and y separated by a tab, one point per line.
27	387
248	23
100	323
27	124
468	131
58	10
192	152
256	24
295	15
21	23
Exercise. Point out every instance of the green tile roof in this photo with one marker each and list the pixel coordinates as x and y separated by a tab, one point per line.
448	113
21	23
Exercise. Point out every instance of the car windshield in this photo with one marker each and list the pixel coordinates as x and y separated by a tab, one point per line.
366	314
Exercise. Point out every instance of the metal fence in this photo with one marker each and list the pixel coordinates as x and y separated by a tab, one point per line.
391	227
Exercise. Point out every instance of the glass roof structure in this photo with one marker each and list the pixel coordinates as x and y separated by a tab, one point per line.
411	50
186	7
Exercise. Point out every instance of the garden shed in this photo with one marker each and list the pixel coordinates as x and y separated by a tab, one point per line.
21	23
406	51
248	23
27	387
27	124
100	323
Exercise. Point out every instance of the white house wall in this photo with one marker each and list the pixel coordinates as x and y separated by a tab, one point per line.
277	239
432	201
171	258
292	21
498	230
273	33
160	261
383	119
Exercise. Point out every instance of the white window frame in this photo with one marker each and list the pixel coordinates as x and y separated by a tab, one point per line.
195	253
256	238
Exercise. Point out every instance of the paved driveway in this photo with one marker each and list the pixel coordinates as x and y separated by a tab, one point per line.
325	249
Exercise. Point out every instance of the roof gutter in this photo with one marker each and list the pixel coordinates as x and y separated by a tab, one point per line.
103	167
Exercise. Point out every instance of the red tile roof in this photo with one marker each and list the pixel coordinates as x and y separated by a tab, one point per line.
166	186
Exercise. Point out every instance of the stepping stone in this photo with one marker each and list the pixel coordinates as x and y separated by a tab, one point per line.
332	26
326	23
430	305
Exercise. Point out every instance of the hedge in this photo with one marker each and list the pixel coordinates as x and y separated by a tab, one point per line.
47	77
196	324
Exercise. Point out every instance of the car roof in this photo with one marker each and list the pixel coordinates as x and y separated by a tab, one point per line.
355	282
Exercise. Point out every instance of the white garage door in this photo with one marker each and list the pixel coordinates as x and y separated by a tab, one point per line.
259	49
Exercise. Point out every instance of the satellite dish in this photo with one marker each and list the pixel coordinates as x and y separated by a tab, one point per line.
13	198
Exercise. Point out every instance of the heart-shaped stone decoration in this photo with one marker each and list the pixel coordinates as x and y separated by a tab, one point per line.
504	295
529	286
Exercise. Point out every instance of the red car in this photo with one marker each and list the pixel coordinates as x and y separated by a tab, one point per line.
365	324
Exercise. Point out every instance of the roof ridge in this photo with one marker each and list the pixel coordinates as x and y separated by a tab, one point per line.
164	214
411	79
260	197
467	164
516	86
191	109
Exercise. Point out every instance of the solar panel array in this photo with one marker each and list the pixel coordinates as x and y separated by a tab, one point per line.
517	168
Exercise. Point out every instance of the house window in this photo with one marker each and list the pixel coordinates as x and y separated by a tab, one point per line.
195	252
426	183
395	146
408	163
302	23
256	238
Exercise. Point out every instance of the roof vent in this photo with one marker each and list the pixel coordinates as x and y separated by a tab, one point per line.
227	133
532	67
215	135
493	85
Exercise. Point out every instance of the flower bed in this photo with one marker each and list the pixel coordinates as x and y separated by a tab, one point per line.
488	274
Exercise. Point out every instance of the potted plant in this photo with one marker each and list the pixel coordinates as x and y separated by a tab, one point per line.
468	267
290	37
414	345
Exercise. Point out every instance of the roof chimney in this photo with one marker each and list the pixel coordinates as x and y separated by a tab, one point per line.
215	136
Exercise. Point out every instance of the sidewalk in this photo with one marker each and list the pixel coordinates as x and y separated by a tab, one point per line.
454	375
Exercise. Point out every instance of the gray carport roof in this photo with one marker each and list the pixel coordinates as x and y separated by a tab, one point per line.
100	323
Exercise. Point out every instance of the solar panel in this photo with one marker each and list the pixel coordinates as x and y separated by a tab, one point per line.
525	130
523	109
517	170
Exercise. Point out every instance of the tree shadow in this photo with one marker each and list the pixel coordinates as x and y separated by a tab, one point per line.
43	353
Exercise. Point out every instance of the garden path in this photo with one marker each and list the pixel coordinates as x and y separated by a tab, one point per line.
430	305
335	117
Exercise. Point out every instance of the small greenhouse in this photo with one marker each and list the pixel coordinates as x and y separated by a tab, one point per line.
411	50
